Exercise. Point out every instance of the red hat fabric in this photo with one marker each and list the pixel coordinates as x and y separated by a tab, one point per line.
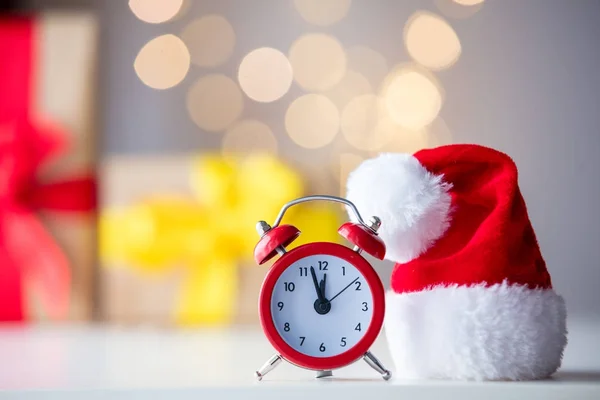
471	297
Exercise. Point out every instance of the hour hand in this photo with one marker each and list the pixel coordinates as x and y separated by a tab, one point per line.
322	286
322	305
316	283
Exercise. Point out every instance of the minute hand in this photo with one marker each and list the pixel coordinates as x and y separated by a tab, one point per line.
341	291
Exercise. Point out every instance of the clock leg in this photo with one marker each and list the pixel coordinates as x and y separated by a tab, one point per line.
324	373
377	365
268	366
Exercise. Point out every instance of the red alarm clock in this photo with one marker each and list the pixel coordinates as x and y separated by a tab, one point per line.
321	304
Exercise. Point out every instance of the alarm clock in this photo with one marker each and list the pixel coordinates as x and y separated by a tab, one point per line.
321	305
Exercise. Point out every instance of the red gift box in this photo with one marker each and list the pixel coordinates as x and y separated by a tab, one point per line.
36	200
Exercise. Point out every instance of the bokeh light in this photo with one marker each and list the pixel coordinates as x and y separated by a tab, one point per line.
452	9
322	12
312	121
364	123
431	41
413	97
211	40
249	136
214	102
155	11
347	162
408	140
367	62
318	61
353	84
183	11
163	62
265	74
468	2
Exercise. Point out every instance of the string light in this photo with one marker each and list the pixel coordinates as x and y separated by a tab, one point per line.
452	9
265	74
367	62
183	11
363	123
353	84
155	11
163	62
322	12
214	102
412	96
408	140
312	121
318	61
431	41
211	40
468	2
249	136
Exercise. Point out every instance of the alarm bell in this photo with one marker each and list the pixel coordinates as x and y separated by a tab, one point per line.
364	238
273	241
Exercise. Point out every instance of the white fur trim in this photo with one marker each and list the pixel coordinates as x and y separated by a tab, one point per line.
412	203
499	332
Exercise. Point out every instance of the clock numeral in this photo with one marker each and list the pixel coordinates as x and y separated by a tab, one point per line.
357	283
302	338
323	265
280	305
322	347
344	271
343	342
286	327
358	327
365	306
303	271
289	286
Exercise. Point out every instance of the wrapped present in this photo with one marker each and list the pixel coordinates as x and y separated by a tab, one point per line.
47	184
177	234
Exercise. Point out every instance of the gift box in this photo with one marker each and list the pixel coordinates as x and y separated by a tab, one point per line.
177	234
47	184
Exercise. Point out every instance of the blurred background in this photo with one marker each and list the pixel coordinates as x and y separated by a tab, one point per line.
197	118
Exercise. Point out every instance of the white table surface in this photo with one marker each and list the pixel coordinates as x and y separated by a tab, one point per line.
65	362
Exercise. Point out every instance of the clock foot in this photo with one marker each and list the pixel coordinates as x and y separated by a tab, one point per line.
324	373
377	365
268	366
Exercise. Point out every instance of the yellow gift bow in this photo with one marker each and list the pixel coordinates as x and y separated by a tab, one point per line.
212	233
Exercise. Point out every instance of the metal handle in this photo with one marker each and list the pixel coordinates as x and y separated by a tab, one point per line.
319	197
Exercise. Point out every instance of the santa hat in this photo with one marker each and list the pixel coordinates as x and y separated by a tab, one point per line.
470	295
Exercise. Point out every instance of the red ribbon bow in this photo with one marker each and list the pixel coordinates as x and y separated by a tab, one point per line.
28	253
27	250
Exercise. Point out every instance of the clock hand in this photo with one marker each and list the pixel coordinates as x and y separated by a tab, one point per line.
317	288
321	304
322	286
341	291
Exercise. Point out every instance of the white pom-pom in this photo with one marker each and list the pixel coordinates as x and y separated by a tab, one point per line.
412	203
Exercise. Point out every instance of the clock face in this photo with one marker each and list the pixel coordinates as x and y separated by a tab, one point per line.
321	305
